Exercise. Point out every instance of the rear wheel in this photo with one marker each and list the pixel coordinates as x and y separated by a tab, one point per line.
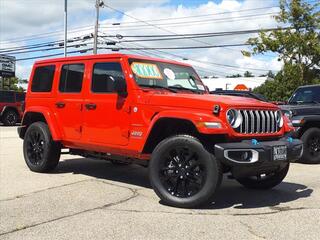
10	118
41	153
265	181
183	173
311	146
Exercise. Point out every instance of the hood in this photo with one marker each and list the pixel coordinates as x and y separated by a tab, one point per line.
206	101
302	109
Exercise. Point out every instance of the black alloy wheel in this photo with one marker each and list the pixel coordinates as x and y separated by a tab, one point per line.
183	173
35	147
314	145
41	153
311	146
10	118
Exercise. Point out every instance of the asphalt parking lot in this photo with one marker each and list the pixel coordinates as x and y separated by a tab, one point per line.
91	199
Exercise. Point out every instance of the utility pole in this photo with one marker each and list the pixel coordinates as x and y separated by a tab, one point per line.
65	27
99	3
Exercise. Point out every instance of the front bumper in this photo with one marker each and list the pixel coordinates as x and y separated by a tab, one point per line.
252	157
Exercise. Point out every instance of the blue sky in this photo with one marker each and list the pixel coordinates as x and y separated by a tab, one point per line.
47	17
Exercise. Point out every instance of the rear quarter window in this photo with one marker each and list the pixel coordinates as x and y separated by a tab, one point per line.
43	78
6	96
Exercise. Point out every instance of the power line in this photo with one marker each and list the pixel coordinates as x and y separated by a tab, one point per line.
119	36
203	62
43	35
50	49
160	38
190	23
47	44
55	54
196	16
177	48
46	34
192	36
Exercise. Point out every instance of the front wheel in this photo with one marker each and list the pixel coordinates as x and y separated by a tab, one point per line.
183	173
311	146
265	181
41	153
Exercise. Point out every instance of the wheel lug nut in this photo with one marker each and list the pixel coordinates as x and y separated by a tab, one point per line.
181	177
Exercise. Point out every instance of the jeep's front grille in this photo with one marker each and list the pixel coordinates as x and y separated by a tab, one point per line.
258	121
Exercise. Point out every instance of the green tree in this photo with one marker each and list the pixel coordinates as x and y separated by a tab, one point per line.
248	74
297	43
12	84
234	76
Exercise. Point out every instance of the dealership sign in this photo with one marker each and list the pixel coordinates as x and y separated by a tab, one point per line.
7	66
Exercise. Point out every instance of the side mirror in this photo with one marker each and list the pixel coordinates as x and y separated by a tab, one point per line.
120	86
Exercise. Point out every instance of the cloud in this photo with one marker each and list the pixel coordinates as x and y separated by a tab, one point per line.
38	16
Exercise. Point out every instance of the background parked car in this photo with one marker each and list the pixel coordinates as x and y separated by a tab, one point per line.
11	104
303	108
237	93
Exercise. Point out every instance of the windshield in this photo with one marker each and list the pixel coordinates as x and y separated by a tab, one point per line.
306	95
166	76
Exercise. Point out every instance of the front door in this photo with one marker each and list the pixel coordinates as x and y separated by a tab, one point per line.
106	119
68	105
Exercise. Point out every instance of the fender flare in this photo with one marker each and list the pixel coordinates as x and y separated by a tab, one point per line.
8	107
50	119
194	118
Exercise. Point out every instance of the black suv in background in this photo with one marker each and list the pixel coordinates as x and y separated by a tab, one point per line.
238	93
11	107
303	108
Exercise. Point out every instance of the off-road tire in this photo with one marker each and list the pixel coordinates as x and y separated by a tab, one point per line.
268	182
201	163
41	153
10	118
307	137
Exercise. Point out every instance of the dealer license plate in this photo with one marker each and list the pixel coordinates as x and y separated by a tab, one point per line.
280	153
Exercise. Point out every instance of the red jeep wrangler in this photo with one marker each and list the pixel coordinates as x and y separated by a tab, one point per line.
11	104
158	113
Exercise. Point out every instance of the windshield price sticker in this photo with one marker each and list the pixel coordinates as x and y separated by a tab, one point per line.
146	70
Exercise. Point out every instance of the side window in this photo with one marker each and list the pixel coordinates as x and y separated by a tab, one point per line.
6	96
104	75
71	78
20	97
42	79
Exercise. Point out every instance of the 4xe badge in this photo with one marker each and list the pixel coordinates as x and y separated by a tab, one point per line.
136	134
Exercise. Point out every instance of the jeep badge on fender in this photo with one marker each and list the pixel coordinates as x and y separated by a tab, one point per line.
89	105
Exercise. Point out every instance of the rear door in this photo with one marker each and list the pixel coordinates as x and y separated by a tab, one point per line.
106	120
69	100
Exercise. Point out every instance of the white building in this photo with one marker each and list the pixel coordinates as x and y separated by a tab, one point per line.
232	83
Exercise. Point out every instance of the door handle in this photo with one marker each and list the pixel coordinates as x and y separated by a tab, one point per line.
60	104
90	106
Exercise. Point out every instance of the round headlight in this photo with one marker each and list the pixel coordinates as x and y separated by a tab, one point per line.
279	119
288	113
234	118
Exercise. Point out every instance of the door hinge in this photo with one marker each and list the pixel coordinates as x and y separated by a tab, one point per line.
125	133
127	109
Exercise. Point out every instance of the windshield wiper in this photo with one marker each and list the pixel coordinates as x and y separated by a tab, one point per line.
188	89
157	86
